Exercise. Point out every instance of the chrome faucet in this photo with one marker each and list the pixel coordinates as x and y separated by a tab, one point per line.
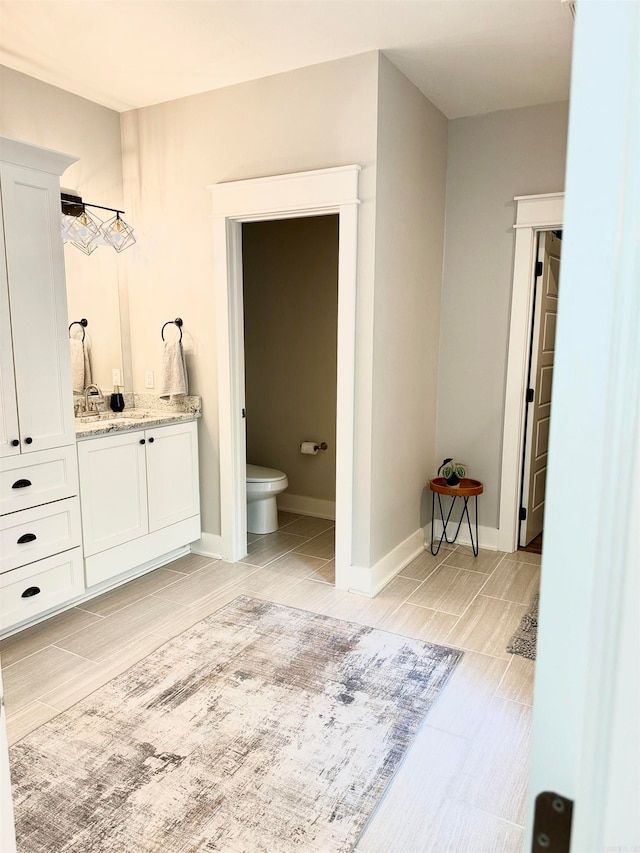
88	404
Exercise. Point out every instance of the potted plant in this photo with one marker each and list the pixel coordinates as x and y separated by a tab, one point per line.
452	471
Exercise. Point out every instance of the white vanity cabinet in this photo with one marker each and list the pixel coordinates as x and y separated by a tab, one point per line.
139	497
40	538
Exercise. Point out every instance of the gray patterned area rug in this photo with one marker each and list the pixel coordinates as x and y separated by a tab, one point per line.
524	640
261	728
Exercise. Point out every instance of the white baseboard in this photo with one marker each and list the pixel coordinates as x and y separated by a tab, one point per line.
307	506
208	545
488	536
369	582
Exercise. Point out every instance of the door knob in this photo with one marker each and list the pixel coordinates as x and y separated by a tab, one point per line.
28	440
15	442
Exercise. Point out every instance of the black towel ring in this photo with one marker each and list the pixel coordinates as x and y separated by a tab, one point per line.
177	322
83	323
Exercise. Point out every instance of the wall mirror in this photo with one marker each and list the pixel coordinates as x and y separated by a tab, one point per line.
93	292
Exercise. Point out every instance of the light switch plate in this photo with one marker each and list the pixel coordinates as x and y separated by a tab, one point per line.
148	379
116	377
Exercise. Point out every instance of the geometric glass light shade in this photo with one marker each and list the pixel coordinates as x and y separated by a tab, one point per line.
86	249
82	231
66	226
117	233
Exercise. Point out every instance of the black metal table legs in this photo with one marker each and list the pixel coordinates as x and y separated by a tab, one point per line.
445	522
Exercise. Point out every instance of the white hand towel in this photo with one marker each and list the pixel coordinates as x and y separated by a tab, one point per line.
173	381
80	365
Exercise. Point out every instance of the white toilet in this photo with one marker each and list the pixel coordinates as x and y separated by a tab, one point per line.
263	487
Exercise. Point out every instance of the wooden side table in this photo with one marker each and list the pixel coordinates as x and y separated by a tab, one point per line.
466	489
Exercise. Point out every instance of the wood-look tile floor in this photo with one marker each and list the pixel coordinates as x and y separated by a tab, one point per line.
462	785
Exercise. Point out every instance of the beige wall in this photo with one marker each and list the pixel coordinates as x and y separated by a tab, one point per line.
312	118
356	110
491	159
291	310
44	115
410	202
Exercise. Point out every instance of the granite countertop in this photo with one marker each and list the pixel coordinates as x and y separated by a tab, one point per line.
136	417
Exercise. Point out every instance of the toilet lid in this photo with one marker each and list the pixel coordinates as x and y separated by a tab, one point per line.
258	474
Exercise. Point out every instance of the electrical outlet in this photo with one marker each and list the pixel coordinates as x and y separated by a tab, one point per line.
148	379
115	376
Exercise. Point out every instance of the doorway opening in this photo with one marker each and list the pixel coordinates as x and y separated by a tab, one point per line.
534	214
290	308
539	384
301	194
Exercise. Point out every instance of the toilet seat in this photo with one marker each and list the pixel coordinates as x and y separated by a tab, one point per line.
260	474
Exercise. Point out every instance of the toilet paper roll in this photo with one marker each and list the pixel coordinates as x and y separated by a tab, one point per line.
310	447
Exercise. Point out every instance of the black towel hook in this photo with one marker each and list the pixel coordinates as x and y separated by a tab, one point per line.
83	323
177	322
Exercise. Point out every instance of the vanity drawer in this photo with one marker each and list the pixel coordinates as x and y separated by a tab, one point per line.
33	534
37	478
31	590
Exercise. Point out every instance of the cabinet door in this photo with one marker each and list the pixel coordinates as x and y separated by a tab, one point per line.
35	270
8	405
113	490
172	474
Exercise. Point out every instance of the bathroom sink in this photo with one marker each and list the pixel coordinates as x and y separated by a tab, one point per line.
117	419
133	418
127	415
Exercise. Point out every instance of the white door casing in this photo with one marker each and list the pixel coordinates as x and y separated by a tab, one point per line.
540	380
534	213
314	193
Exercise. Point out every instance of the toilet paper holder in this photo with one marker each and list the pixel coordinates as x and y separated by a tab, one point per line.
312	447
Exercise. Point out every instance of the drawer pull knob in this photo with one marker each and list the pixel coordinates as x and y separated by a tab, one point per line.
151	440
21	484
142	441
27	537
28	440
30	591
15	442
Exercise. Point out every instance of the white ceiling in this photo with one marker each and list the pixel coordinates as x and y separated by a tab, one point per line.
467	56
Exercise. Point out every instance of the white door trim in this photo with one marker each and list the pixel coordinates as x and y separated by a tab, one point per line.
313	193
534	213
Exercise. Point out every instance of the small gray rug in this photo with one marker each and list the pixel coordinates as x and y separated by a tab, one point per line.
524	640
261	728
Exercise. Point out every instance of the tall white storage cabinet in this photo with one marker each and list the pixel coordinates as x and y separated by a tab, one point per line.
38	467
